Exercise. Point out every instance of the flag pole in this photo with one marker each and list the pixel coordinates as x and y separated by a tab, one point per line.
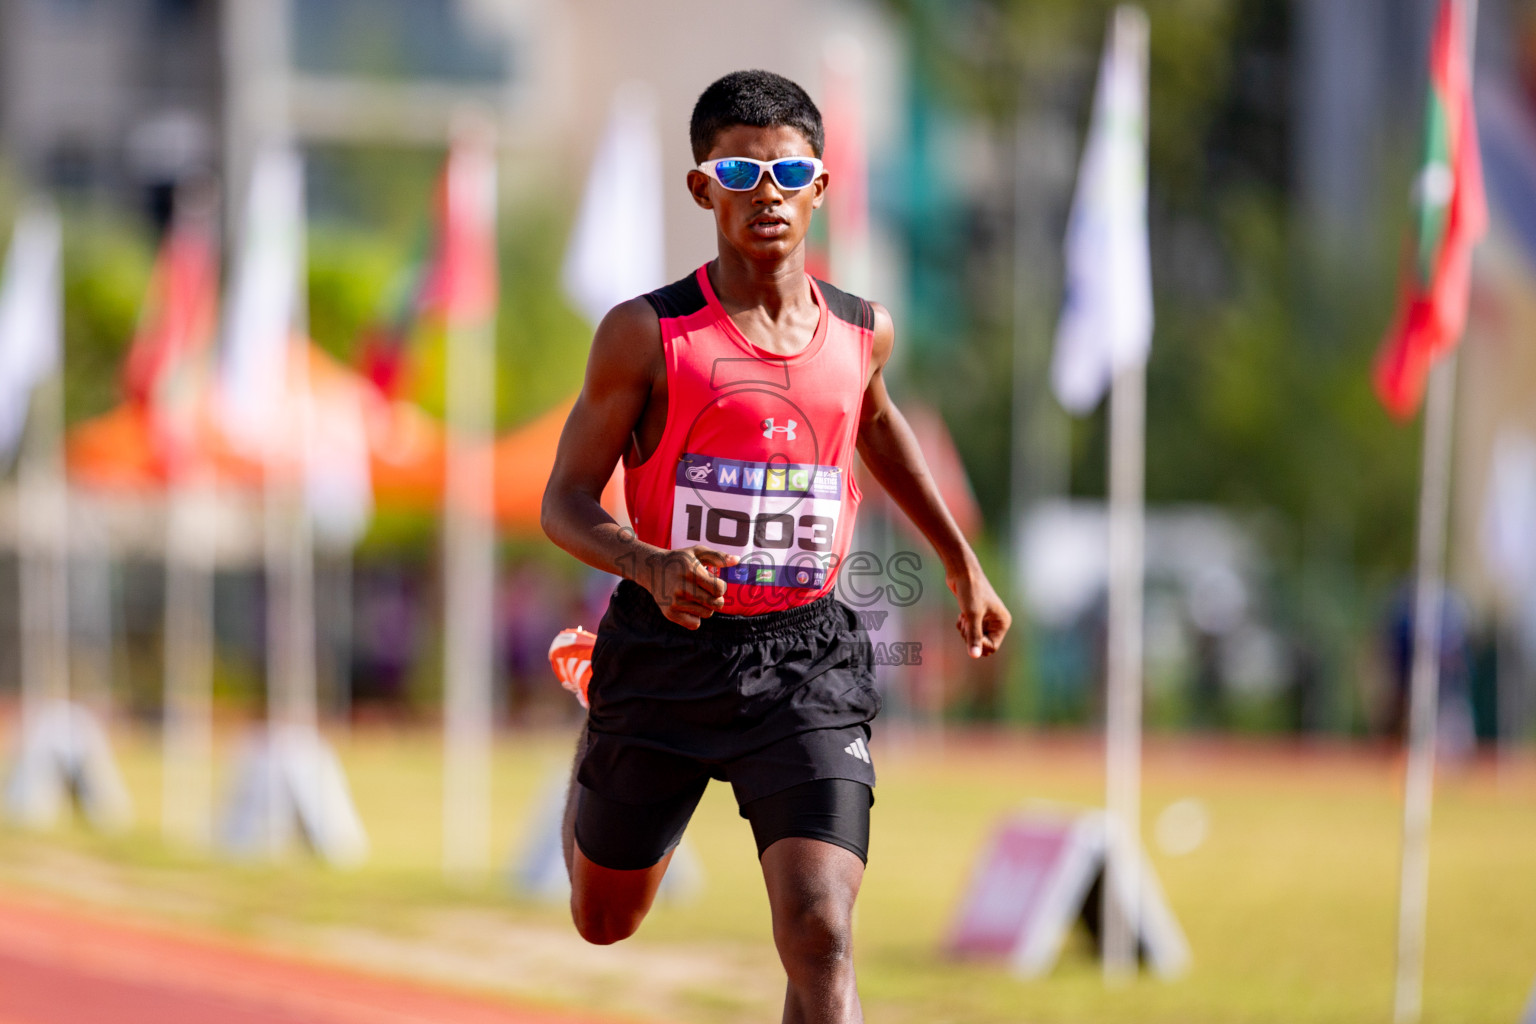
43	510
63	749
298	649
469	542
42	502
1122	746
186	813
289	558
1418	793
1424	687
191	549
1121	902
45	554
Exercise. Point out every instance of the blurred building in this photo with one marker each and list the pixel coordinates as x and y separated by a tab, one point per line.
121	98
115	98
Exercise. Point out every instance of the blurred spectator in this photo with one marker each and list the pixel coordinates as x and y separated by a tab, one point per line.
530	610
1208	705
1455	725
1483	686
1305	698
386	638
532	605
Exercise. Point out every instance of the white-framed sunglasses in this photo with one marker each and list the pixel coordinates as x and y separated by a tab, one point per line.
742	173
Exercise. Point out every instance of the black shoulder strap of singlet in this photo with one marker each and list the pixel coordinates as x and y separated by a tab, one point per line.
683	297
848	308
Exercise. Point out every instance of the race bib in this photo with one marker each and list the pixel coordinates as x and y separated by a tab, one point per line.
780	518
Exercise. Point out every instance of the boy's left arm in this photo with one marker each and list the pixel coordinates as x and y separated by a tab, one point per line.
890	450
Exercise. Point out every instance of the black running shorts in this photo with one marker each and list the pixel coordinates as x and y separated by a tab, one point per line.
765	702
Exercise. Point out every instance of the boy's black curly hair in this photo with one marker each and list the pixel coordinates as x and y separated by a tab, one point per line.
759	99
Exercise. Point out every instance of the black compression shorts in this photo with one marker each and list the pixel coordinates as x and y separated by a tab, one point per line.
766	702
630	837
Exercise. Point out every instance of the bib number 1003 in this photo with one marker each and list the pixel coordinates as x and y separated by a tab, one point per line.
772	531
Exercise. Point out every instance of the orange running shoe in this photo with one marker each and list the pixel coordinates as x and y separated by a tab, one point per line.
570	655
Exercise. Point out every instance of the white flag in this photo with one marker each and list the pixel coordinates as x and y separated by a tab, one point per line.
1106	317
1508	537
339	477
31	318
616	251
261	315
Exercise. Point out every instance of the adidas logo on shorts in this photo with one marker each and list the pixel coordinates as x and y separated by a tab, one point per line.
858	750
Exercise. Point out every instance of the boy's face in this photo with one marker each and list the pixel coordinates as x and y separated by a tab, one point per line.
768	222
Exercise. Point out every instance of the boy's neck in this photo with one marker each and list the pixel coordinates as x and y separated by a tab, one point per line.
742	284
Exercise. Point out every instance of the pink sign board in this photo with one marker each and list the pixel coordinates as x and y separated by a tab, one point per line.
1009	887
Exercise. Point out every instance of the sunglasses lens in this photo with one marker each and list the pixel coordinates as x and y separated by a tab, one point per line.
794	173
737	175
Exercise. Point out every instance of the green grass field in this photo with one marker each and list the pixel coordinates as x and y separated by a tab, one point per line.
1289	905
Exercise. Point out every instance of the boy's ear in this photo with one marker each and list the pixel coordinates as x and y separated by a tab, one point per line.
698	187
820	185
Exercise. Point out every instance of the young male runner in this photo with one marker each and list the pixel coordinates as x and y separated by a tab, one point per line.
737	398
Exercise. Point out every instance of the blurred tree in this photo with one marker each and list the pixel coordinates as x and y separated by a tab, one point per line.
371	219
1258	390
107	261
1250	404
541	342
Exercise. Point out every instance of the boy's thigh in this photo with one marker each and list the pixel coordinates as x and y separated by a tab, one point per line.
629	837
633	802
817	784
830	811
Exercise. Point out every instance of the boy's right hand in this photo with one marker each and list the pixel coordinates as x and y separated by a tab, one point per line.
686	584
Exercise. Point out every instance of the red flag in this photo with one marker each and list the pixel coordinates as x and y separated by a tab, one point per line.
459	281
1450	215
175	332
462	284
847	205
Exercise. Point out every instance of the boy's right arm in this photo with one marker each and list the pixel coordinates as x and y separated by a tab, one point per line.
626	359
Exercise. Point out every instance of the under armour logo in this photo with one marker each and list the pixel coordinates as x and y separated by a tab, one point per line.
769	429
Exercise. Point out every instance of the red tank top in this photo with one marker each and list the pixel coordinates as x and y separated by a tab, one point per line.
757	456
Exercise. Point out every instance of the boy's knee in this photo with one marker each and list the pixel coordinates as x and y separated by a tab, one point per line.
816	935
607	906
603	926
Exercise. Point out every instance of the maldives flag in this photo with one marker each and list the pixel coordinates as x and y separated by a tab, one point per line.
457	286
461	285
1450	215
382	348
165	367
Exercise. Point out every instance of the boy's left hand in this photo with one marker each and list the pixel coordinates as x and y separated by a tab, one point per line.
983	621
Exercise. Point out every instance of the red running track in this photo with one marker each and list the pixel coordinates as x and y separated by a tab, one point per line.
69	967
